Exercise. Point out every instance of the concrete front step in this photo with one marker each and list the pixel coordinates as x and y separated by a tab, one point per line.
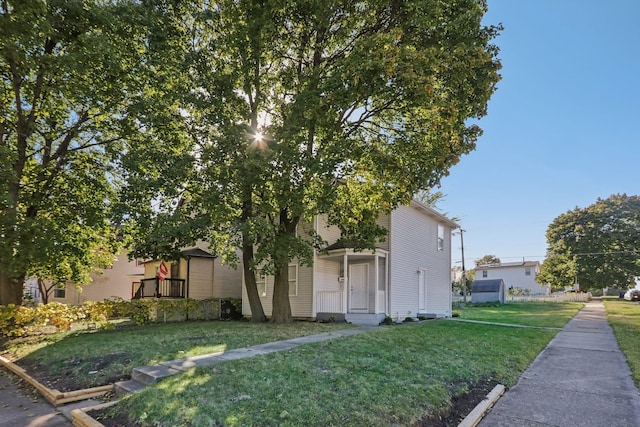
125	387
148	375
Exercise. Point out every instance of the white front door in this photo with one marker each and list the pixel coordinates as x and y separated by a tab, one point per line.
358	295
422	291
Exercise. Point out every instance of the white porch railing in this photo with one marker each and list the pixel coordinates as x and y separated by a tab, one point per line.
329	302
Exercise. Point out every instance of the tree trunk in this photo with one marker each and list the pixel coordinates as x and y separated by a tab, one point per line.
44	291
257	312
281	304
11	290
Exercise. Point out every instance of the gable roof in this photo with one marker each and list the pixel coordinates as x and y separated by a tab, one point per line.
433	213
509	265
197	253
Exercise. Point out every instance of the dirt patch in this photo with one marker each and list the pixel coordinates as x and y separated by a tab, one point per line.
78	373
462	405
108	420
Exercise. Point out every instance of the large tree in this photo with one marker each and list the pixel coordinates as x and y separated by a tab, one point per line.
487	260
598	244
347	108
71	72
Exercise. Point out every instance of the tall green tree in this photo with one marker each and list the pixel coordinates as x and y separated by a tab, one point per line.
71	73
346	108
599	244
487	260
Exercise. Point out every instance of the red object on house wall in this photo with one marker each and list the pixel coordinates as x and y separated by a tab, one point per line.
162	271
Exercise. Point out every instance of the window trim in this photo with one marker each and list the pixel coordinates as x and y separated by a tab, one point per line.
294	280
60	292
261	282
440	238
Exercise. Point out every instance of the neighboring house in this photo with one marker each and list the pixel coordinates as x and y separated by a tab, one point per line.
515	275
198	275
407	275
116	280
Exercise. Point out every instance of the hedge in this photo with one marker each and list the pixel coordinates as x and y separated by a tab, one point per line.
16	321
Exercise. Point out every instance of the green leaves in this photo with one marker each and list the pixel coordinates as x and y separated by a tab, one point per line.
598	245
72	72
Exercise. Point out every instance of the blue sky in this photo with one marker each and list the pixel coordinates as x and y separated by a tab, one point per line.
561	131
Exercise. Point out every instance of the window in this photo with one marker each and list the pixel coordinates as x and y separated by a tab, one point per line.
293	280
527	271
261	283
440	237
59	292
485	273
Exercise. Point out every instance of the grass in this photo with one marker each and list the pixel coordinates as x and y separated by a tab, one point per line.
540	314
624	318
114	353
391	376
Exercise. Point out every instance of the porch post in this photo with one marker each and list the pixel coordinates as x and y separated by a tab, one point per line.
346	281
387	309
375	299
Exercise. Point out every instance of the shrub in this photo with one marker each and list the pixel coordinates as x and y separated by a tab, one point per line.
387	321
22	320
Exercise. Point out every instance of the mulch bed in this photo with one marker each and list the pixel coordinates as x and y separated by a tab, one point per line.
462	406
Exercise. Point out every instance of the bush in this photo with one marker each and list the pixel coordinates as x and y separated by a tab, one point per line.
18	321
387	321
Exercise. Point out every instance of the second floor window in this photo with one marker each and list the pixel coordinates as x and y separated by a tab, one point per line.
440	238
485	274
527	271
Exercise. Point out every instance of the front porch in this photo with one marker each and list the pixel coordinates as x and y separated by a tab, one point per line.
358	294
155	288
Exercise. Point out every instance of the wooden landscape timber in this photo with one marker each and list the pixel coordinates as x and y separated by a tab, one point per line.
56	397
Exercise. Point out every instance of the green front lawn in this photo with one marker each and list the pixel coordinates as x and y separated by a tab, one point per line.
541	314
392	376
100	357
624	318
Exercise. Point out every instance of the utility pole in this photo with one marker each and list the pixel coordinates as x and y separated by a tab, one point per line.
464	273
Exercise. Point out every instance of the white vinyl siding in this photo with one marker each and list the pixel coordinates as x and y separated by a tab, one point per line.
227	281
515	276
414	246
301	303
200	277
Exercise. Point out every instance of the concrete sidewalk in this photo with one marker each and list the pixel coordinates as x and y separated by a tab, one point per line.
20	409
580	379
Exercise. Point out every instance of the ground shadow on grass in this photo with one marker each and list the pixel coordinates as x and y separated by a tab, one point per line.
461	406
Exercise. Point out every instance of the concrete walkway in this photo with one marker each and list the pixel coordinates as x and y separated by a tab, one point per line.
20	408
580	379
147	375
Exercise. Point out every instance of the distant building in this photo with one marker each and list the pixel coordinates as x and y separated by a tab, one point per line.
515	275
491	290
